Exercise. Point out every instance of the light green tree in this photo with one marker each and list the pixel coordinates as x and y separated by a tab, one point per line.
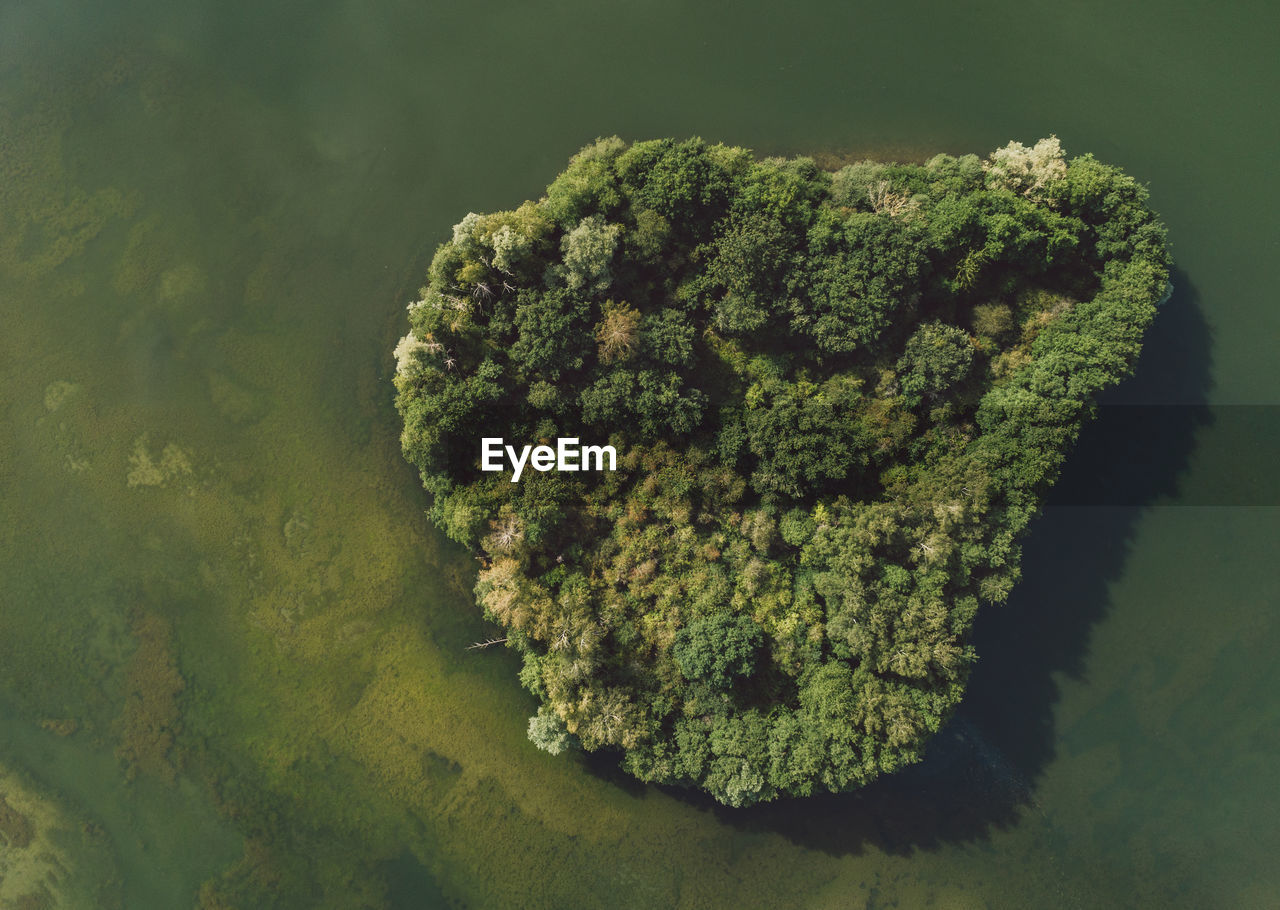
547	732
588	251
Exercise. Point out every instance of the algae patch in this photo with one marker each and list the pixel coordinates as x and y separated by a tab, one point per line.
48	856
149	722
145	471
57	393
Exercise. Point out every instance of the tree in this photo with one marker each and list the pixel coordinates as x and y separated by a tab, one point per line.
552	330
861	269
937	356
1029	171
667	337
717	649
588	250
746	273
617	332
547	731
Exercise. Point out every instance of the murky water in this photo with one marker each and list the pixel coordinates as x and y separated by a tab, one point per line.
233	665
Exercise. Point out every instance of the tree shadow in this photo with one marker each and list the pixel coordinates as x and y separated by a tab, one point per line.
980	771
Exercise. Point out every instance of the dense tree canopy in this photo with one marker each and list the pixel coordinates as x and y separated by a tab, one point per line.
837	400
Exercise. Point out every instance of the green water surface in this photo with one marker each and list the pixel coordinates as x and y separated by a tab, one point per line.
233	654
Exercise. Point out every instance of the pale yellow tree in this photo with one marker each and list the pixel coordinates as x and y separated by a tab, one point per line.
1026	170
618	331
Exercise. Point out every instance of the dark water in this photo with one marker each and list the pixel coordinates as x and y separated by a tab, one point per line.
233	665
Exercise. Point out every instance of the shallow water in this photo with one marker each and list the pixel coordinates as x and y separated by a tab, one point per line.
232	652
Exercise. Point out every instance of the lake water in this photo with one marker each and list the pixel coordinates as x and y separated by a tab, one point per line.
233	665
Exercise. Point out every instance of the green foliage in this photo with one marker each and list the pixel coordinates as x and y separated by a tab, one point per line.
937	356
836	401
668	338
992	320
548	732
552	329
589	186
797	527
717	649
588	250
851	185
803	435
861	269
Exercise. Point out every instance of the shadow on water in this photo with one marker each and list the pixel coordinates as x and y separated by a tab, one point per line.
411	887
981	770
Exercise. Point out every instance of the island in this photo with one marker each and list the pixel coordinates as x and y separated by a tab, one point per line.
836	400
